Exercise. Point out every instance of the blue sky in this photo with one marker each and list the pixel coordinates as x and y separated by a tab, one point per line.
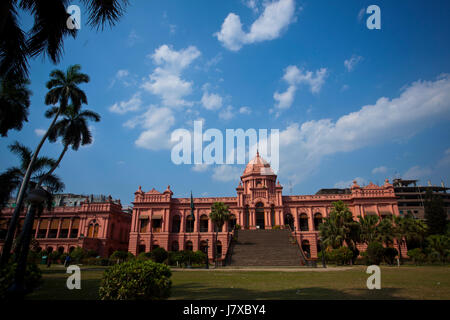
349	102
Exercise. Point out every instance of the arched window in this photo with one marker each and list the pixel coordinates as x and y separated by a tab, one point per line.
317	220
231	222
204	246
189	224
272	215
71	249
306	248
96	227
90	231
174	246
155	244
219	249
112	231
289	220
189	246
204	223
61	250
49	249
176	222
304	222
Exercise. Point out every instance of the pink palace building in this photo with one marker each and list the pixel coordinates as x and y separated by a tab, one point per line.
160	220
96	223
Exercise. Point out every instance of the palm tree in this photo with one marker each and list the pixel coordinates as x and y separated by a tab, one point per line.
48	31
385	231
63	87
14	102
73	129
219	214
407	229
10	180
368	228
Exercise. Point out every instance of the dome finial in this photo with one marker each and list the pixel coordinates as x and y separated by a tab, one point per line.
257	152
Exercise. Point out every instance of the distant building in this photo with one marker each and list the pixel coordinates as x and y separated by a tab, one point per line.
411	197
96	223
160	220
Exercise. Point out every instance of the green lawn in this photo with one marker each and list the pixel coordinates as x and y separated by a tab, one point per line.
407	282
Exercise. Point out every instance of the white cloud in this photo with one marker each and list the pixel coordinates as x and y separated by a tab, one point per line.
294	77
165	81
351	63
227	113
40	132
124	77
347	184
417	172
123	107
133	38
252	4
227	173
420	104
381	169
361	14
245	110
156	123
277	15
211	101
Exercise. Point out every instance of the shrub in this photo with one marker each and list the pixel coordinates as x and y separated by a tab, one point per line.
144	256
417	255
341	255
277	227
375	253
78	254
199	257
121	256
33	278
159	255
389	255
238	226
136	280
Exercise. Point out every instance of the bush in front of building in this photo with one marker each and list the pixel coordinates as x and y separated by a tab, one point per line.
340	256
417	255
374	253
33	277
144	256
121	256
136	280
389	255
159	255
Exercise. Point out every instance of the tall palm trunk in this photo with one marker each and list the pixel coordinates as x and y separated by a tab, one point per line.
400	250
54	167
21	197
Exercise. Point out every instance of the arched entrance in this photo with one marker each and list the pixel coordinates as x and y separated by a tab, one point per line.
259	215
289	220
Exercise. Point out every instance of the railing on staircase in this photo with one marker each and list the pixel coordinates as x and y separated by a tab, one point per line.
230	247
303	258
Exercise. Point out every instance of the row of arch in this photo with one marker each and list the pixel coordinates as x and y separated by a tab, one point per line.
188	246
303	221
203	224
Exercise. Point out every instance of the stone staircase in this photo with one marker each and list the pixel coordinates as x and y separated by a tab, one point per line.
265	248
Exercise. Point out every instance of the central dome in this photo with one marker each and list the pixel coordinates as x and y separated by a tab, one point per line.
259	166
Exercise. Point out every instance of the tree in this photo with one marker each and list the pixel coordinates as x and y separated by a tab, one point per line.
408	229
48	31
45	37
440	244
340	228
10	180
14	102
219	214
435	215
368	228
63	87
385	231
73	129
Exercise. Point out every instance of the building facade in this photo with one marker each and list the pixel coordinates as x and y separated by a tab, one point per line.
411	197
160	220
94	223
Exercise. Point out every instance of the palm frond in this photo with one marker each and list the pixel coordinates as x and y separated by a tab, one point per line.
103	12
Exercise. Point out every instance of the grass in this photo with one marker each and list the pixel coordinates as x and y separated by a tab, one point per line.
406	282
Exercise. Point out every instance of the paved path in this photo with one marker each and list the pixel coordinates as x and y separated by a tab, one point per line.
286	269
